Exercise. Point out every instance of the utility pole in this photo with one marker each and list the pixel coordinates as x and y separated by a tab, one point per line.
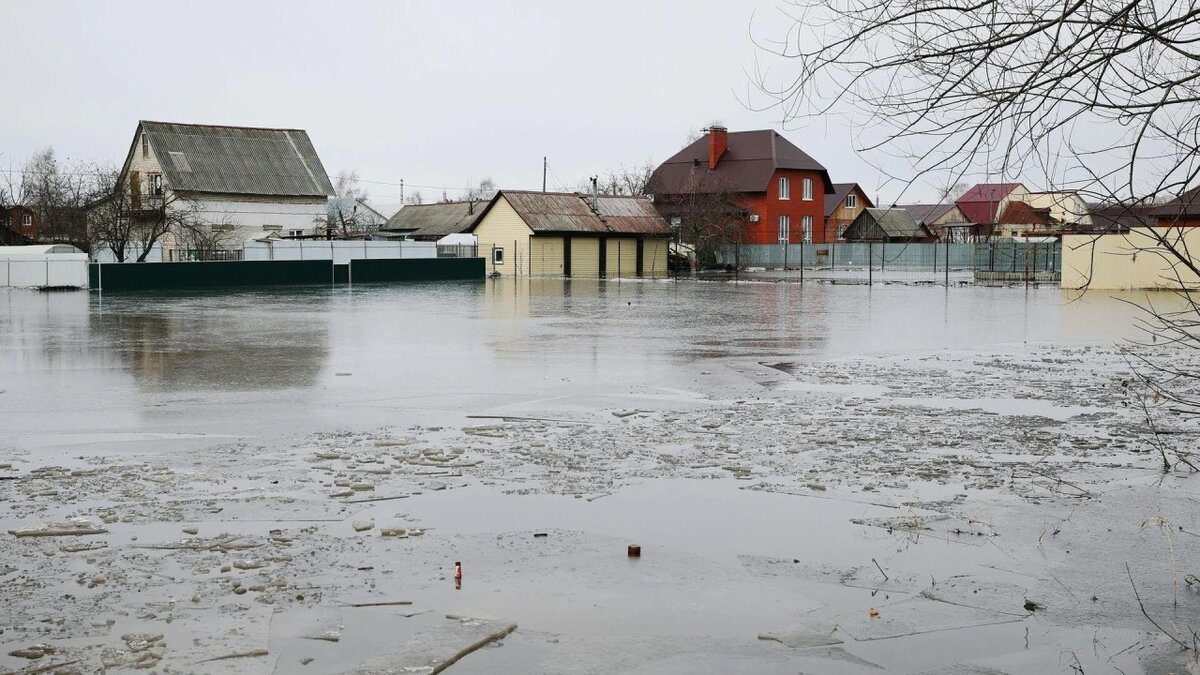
401	191
544	165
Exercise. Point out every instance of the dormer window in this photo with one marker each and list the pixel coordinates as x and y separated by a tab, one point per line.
785	188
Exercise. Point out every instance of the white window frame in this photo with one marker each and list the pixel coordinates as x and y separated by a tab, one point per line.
807	223
497	256
26	219
154	184
785	188
785	229
851	201
808	192
295	233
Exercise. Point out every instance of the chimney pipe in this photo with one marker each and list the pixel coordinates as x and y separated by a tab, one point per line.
718	142
595	197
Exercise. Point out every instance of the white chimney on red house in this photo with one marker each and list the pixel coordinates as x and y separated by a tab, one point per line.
718	141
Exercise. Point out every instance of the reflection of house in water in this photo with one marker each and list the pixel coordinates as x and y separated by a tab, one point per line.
207	350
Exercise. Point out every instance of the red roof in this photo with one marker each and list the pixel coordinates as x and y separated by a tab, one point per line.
980	202
1020	213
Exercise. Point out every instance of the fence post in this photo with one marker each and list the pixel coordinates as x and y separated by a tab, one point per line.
946	267
870	262
832	256
882	254
801	259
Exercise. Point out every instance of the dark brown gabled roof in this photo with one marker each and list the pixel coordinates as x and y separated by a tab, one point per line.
1186	205
840	190
571	213
747	165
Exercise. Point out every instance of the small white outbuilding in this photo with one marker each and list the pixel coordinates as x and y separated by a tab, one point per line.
43	266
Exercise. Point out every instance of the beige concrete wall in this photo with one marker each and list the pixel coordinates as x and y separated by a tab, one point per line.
503	228
547	257
1139	260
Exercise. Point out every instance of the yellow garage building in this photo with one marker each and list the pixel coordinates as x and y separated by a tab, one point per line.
559	234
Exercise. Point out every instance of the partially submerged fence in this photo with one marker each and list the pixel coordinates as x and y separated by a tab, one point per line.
183	275
902	261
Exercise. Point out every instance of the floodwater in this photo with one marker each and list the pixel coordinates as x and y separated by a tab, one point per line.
790	457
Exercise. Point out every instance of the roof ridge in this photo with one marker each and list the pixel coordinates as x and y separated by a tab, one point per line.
221	126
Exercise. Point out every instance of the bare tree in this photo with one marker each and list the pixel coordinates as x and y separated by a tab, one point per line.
345	214
55	193
130	224
1095	96
481	192
709	221
629	181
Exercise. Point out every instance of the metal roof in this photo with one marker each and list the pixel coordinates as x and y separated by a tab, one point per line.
926	213
436	220
979	204
882	224
1186	205
747	165
571	213
236	160
1021	213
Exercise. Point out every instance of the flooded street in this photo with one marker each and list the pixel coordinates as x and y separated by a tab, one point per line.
822	478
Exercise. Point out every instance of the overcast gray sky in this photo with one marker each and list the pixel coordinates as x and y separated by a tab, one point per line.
437	93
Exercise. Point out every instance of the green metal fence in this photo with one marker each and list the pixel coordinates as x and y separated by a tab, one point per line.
179	275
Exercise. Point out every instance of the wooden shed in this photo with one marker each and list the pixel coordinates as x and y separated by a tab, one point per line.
538	234
888	225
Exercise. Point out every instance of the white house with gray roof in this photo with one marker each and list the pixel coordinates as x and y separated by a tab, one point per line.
243	181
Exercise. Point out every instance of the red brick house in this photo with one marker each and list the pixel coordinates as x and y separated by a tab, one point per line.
1181	212
20	221
775	191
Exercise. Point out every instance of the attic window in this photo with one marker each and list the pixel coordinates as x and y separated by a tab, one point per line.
851	201
180	161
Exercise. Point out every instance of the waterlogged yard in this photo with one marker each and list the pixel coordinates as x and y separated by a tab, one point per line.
822	479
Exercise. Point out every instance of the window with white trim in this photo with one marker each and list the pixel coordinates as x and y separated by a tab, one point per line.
807	222
851	201
27	219
807	190
785	188
154	184
497	256
295	233
785	227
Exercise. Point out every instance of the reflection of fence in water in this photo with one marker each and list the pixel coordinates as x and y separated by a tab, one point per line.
905	261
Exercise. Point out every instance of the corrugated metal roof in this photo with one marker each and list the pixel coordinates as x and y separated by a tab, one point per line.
749	161
881	224
237	160
567	213
1020	213
979	204
436	220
